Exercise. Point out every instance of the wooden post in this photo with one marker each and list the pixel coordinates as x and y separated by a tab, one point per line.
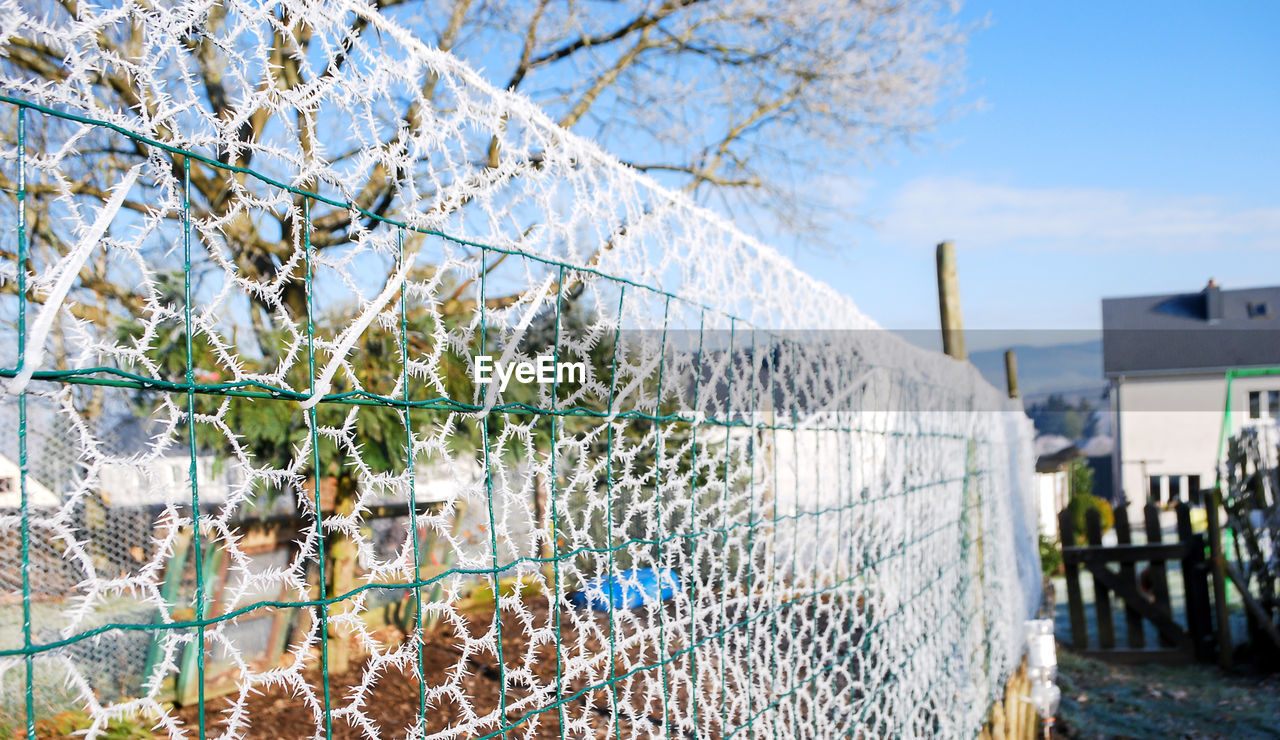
1026	715
949	303
1032	719
1261	617
1101	596
1195	587
1011	372
1159	575
1134	629
1071	570
1219	577
998	716
1012	689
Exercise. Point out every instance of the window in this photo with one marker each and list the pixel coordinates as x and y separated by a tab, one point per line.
1193	490
1154	487
1258	310
1255	404
1273	404
1175	489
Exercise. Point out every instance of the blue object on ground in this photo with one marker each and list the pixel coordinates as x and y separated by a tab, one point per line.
627	589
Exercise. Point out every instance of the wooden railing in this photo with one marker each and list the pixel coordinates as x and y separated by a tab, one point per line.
1144	593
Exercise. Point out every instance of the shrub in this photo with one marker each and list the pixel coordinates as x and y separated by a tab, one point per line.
1080	478
1050	556
1079	506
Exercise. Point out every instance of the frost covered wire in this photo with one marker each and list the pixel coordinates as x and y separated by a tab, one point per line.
756	514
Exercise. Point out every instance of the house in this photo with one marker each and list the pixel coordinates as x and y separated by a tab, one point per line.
131	472
1053	486
38	495
1166	358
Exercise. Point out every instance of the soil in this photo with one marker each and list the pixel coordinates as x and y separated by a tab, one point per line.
391	707
393	703
1101	701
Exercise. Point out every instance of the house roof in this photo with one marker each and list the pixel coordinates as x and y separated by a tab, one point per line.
1206	331
1053	462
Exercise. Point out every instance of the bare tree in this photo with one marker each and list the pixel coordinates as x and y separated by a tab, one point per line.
742	98
750	96
714	96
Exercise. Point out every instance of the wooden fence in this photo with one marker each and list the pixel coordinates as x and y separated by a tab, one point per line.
1141	593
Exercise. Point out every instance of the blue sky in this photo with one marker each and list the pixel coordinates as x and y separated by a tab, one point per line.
1115	149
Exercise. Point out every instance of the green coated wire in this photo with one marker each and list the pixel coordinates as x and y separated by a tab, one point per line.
1231	375
693	525
795	536
972	483
967	542
774	539
315	467
658	499
813	579
555	515
751	519
655	666
192	469
880	622
28	656
608	480
230	615
629	674
726	634
842	487
493	530
863	646
852	596
442	404
724	520
344	205
693	536
791	603
875	618
308	196
966	621
419	634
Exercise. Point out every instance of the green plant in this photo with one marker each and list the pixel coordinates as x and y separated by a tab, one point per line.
1080	485
1079	506
1079	478
73	724
1050	556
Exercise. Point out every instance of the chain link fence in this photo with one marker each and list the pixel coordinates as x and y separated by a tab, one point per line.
257	485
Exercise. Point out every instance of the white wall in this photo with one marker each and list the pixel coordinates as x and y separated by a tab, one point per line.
1051	497
1170	425
11	491
166	479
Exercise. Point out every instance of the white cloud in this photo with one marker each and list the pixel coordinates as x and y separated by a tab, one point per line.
982	214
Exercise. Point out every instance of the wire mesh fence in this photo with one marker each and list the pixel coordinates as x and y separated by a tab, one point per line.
257	485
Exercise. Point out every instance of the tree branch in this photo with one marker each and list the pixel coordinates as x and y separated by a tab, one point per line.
605	80
699	175
641	22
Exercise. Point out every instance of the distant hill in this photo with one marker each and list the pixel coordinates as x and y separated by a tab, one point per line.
1074	369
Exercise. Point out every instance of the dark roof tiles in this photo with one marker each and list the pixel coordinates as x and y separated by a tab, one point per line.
1178	332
